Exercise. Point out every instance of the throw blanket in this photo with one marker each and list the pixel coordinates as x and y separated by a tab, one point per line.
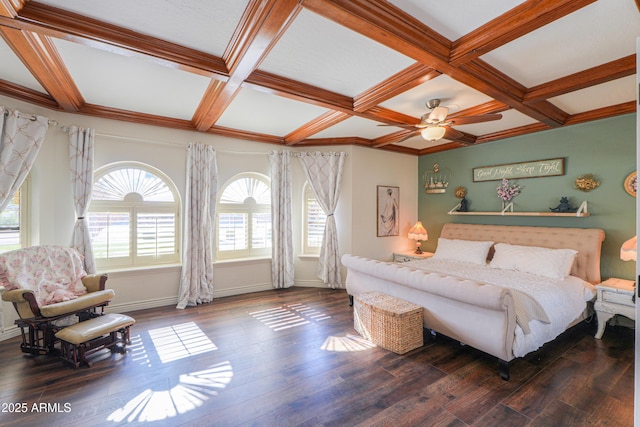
53	273
535	297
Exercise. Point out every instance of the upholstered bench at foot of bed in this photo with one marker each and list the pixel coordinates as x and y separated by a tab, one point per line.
84	338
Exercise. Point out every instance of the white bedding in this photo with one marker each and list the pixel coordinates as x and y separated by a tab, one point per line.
563	301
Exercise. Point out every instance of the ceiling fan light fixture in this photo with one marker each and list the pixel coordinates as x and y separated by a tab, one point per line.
433	133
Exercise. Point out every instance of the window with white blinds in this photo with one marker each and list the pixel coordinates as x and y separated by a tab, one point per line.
313	223
134	217
244	217
13	232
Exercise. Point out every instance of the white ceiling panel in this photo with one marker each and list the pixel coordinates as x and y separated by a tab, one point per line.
313	51
354	126
601	32
455	18
594	97
261	112
205	25
419	143
319	52
132	83
452	94
13	70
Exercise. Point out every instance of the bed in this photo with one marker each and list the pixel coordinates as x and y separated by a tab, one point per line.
504	290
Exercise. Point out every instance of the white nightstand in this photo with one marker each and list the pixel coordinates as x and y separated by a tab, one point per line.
615	296
410	256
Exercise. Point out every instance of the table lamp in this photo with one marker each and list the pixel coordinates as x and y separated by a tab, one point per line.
418	233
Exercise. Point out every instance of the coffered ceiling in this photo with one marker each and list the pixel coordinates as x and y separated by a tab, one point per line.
318	72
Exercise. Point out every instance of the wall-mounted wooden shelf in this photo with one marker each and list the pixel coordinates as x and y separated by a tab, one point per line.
508	211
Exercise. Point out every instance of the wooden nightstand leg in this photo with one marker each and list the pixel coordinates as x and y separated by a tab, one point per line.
603	318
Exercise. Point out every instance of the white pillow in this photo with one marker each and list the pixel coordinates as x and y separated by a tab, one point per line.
471	251
553	263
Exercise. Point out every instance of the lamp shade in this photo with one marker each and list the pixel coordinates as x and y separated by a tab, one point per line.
628	251
418	232
433	133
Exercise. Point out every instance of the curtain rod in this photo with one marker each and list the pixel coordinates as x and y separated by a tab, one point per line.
65	128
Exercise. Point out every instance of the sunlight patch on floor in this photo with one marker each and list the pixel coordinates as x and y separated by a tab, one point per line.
347	343
180	341
136	350
289	316
192	391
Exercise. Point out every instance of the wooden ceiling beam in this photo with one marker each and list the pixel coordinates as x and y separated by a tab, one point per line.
323	122
394	28
11	8
510	92
406	79
261	26
134	117
298	91
381	21
27	95
40	56
394	137
355	140
246	135
515	23
603	113
48	20
510	133
599	74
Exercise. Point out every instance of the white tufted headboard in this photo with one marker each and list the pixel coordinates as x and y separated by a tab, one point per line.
587	241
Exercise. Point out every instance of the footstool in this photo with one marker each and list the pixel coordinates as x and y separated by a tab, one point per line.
84	338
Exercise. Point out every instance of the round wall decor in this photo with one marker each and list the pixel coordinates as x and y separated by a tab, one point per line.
631	183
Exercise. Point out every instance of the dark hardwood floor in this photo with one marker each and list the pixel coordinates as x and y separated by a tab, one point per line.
292	357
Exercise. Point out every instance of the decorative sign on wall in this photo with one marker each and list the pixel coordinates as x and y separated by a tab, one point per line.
534	169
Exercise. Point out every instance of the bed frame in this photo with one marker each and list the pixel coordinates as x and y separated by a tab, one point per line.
478	315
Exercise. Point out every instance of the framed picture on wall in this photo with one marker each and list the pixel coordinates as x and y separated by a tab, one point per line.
388	211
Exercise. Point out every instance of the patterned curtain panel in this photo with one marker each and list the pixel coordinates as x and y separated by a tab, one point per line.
81	162
282	271
196	281
324	173
21	137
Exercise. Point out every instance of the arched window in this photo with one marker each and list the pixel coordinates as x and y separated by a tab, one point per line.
244	217
134	216
314	221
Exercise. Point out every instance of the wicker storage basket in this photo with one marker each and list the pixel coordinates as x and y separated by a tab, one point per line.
389	322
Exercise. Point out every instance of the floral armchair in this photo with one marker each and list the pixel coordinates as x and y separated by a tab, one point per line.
45	285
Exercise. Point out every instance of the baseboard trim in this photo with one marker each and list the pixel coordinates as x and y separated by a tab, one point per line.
10	332
258	287
141	305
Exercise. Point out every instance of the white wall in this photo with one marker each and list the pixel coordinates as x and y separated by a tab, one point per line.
52	215
370	169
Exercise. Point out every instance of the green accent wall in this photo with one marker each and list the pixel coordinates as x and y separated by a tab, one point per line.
605	148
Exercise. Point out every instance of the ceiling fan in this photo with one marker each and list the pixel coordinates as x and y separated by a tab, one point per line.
434	125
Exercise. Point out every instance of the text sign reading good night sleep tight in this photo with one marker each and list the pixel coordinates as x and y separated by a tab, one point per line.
535	169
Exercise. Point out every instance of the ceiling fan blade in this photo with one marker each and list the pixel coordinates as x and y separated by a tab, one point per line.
466	120
399	125
452	134
404	138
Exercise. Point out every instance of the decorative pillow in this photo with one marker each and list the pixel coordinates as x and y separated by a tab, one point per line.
553	263
471	251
